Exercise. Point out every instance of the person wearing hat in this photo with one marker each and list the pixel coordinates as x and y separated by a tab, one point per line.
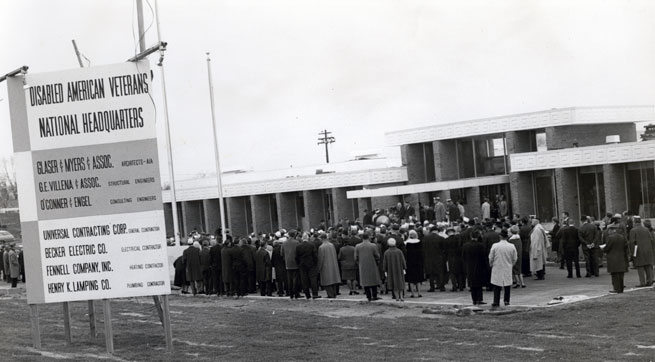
288	252
328	266
307	260
475	262
264	270
367	258
346	259
641	251
502	257
588	234
216	265
617	257
453	249
14	265
439	210
569	240
434	249
227	275
515	240
453	211
394	266
280	268
191	258
538	250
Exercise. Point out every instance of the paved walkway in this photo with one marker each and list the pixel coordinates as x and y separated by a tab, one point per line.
537	293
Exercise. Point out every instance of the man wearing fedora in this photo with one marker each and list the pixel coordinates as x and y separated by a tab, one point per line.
502	257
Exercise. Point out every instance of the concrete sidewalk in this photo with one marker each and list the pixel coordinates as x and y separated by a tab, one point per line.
538	293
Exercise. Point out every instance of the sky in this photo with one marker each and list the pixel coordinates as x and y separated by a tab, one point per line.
285	70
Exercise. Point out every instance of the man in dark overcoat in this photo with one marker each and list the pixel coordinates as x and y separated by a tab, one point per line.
569	240
307	260
475	262
434	252
617	257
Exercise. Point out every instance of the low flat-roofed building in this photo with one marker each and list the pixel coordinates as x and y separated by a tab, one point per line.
585	161
582	160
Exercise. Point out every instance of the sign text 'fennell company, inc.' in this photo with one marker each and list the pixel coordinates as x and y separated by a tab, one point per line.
87	170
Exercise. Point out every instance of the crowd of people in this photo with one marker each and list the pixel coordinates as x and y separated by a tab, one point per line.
391	252
12	265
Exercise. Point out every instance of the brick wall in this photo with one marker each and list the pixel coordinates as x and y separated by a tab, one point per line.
567	192
314	207
473	202
615	191
445	160
286	210
191	216
412	157
212	214
521	193
261	213
342	206
517	142
588	135
236	208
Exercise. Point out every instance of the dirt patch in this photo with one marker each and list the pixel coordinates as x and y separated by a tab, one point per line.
211	328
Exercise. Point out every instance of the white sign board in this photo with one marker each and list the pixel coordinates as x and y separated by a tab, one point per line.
89	192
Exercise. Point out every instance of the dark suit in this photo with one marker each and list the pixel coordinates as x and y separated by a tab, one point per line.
617	258
216	267
475	261
263	267
588	233
307	260
280	271
569	240
434	251
455	263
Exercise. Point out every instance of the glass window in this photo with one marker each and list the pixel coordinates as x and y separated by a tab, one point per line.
465	158
248	215
544	195
272	203
540	138
641	188
457	195
428	158
591	191
498	145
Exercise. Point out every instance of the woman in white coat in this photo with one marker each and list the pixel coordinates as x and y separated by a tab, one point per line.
502	257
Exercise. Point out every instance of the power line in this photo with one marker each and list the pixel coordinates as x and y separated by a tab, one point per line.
326	139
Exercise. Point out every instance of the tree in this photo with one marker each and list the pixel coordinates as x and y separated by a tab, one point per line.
8	189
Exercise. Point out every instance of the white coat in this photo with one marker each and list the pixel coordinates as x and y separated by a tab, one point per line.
538	251
502	257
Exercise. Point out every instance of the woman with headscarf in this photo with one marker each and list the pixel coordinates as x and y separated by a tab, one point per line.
348	265
415	275
394	267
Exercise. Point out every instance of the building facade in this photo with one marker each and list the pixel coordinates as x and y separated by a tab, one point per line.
585	161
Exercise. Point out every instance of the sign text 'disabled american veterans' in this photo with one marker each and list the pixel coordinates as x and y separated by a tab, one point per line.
87	170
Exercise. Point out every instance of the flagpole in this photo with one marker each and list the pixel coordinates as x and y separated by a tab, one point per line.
218	160
169	147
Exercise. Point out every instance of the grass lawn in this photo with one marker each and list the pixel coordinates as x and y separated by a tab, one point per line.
613	328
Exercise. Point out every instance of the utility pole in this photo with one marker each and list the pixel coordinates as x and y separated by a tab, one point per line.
326	139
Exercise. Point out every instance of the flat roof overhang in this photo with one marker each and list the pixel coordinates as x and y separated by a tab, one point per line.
428	187
292	184
521	122
583	156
